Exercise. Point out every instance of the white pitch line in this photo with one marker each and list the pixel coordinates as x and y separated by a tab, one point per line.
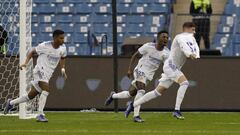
227	123
119	131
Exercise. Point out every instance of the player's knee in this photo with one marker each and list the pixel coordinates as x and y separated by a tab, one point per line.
140	85
31	96
133	92
186	83
141	91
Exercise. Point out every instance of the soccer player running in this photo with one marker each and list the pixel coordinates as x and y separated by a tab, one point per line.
152	55
184	46
49	54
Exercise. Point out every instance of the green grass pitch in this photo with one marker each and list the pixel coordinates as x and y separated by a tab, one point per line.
107	123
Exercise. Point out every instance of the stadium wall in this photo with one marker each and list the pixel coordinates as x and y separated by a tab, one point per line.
214	85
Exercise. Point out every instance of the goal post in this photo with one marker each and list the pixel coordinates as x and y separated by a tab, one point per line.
15	18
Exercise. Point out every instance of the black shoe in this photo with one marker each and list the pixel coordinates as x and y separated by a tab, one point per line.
177	114
129	108
138	119
109	99
8	107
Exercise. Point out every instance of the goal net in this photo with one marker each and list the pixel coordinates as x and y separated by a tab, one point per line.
15	40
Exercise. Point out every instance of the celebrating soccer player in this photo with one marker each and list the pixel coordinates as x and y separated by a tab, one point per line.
49	54
152	55
184	46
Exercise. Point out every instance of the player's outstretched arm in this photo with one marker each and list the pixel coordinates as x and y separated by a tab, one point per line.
29	56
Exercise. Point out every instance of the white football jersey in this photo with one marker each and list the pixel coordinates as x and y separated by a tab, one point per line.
49	57
183	46
151	59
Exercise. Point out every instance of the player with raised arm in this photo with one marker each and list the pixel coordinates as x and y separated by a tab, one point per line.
152	55
184	46
50	53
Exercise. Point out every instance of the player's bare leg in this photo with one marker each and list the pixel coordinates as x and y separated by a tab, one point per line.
33	92
121	95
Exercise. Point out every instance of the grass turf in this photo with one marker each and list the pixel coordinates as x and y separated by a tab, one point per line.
105	123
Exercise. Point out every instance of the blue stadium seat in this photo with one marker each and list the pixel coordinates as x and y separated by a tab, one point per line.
99	1
45	18
224	28
34	39
35	28
71	50
125	1
135	28
238	28
45	8
101	28
65	8
227	20
63	18
151	29
121	19
35	18
44	37
136	19
12	7
229	9
103	9
121	29
83	19
83	8
102	18
159	8
42	1
220	40
143	1
140	9
79	38
156	19
67	27
228	51
81	28
123	8
236	39
43	27
76	1
163	1
237	50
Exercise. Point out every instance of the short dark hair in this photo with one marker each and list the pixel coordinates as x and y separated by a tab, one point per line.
188	25
160	32
57	32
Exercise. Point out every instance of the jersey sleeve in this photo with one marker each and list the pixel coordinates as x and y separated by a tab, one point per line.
64	52
143	49
40	48
186	46
165	54
197	48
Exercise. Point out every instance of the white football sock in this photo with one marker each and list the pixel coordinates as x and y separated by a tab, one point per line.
123	94
148	96
140	93
180	94
19	100
42	101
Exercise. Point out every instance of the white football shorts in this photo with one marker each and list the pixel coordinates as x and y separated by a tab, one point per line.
140	76
170	74
39	76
